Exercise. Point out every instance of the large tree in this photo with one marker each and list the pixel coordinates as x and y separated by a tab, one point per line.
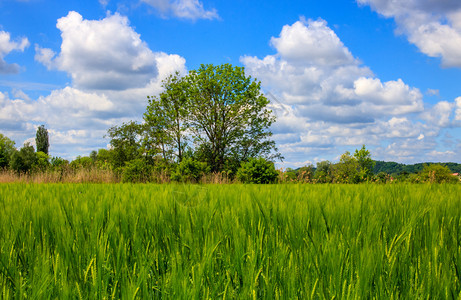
42	140
166	119
228	116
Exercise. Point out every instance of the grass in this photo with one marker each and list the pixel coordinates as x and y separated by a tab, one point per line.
112	241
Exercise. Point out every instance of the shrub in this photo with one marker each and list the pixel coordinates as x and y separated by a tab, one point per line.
437	173
257	170
23	160
136	170
82	162
42	161
323	172
305	174
58	162
382	177
190	170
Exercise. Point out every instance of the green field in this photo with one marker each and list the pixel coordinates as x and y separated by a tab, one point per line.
65	241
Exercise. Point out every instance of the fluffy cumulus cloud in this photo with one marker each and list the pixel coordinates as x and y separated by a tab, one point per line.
6	46
327	101
433	26
458	109
112	73
101	54
183	9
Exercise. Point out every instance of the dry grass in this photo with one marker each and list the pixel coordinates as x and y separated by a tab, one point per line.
95	175
92	175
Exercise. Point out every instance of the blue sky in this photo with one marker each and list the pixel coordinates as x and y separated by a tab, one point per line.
339	73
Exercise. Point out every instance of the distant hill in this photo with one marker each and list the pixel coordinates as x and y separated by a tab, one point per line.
396	168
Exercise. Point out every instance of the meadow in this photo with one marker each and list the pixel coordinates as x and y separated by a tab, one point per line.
129	241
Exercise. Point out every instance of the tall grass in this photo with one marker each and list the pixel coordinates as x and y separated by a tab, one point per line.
229	241
65	175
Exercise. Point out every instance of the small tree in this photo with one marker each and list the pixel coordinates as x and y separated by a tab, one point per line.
165	118
6	150
41	139
305	174
346	170
42	161
23	160
366	164
125	142
436	173
323	172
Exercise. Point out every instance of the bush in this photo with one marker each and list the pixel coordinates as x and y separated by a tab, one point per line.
82	162
23	160
42	161
257	170
323	172
190	170
437	173
59	162
305	174
136	170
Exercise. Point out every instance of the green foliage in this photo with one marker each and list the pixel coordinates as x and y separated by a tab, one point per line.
397	169
366	164
190	170
290	175
137	170
257	170
42	161
382	177
166	120
105	159
438	174
323	172
42	140
305	174
126	142
58	162
124	241
354	169
23	160
82	162
6	151
229	117
346	170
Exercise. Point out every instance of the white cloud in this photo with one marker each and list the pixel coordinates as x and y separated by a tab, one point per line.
392	97
20	94
433	26
314	44
328	83
6	46
327	101
102	54
440	114
113	71
458	109
183	9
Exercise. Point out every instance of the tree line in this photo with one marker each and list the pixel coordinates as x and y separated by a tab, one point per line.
213	121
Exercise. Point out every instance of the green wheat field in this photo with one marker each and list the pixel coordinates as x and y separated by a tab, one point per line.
122	241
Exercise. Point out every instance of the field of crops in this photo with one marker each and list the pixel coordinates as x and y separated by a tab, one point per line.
230	241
